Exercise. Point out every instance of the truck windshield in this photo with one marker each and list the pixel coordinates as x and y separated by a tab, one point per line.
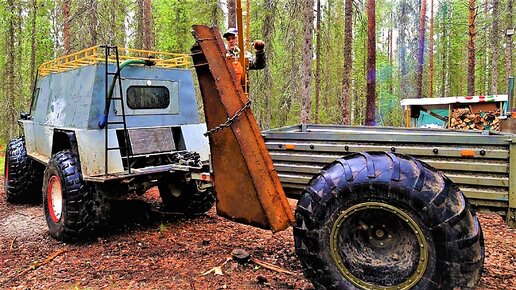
148	97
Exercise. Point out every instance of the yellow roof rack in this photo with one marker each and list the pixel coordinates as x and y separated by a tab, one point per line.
96	54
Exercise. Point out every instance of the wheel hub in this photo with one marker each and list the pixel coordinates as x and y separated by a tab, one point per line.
378	246
55	198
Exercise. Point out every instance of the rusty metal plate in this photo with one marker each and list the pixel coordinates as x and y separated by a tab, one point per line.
247	186
151	140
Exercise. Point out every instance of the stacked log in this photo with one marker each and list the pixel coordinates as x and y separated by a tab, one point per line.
464	119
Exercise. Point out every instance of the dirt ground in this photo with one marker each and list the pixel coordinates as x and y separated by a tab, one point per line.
149	251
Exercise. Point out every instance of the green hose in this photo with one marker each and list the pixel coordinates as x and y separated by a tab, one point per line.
103	121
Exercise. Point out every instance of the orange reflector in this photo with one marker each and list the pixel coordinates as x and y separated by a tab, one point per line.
206	177
290	146
467	153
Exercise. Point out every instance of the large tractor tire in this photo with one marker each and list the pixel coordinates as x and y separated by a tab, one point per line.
73	208
387	221
186	197
22	176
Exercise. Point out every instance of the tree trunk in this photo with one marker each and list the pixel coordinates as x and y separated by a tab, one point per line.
371	63
147	12
215	13
486	43
509	40
431	59
494	44
306	90
403	48
140	31
318	62
19	74
443	41
113	24
94	22
66	26
231	13
391	61
32	69
268	37
348	62
471	48
10	70
421	49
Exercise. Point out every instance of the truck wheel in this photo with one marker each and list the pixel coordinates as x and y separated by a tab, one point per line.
22	176
186	198
387	221
67	200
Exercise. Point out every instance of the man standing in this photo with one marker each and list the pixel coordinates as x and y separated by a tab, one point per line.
253	62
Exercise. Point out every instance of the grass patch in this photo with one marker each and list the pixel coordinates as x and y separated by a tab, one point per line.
2	160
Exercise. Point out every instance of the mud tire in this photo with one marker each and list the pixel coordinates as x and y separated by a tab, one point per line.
79	212
186	198
409	188
23	176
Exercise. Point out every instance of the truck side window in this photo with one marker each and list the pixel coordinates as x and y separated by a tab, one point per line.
148	97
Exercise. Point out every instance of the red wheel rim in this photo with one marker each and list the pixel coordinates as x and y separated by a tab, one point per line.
55	198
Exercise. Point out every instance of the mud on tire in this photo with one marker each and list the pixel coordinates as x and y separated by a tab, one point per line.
23	176
383	220
187	198
73	208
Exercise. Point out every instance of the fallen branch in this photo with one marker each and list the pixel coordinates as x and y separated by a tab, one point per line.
271	266
46	261
12	243
242	256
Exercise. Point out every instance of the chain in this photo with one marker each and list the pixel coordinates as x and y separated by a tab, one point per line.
229	121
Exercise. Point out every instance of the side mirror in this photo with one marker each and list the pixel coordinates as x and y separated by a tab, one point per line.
24	116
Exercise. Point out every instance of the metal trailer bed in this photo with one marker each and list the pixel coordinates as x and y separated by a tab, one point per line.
482	164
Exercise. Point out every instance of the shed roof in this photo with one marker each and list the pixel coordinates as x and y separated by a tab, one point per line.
454	100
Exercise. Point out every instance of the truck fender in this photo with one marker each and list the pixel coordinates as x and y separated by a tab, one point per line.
64	139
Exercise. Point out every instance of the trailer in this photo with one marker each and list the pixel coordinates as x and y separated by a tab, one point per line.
481	163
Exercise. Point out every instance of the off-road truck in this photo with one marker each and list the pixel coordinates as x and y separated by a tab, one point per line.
83	145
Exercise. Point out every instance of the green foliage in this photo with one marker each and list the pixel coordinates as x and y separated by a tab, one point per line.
2	164
162	228
275	91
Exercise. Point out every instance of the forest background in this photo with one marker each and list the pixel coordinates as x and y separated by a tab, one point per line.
330	61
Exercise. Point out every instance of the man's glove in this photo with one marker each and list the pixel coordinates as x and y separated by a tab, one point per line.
259	45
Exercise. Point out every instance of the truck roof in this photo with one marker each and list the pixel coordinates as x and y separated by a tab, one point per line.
96	54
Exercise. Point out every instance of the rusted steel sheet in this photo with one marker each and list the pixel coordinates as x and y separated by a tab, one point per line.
247	185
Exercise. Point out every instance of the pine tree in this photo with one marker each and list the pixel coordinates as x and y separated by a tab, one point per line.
306	91
471	48
421	48
371	63
348	61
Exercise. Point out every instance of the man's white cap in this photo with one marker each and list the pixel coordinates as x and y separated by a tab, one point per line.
230	31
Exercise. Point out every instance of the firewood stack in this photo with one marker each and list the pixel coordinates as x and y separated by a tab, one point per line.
464	119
